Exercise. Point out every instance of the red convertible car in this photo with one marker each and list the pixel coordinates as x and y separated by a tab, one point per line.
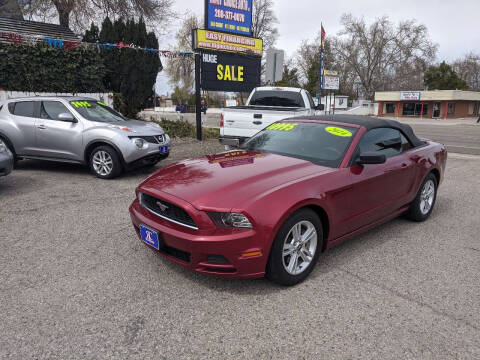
289	193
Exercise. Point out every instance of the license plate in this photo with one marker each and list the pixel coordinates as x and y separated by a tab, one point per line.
164	149
150	237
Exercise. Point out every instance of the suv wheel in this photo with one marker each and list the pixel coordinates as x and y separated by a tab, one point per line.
105	162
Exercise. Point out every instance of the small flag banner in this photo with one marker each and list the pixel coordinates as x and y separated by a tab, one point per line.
59	44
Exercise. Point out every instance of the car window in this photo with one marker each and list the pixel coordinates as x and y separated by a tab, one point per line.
310	100
51	109
96	111
322	144
277	98
23	108
390	142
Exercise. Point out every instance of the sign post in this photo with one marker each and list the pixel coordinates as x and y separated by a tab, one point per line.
198	106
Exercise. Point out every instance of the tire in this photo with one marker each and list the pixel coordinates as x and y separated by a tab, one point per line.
421	208
280	268
12	150
105	162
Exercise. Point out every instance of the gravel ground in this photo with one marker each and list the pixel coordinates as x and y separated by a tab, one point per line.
76	283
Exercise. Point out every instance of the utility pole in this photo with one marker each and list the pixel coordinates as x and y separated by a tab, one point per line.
198	107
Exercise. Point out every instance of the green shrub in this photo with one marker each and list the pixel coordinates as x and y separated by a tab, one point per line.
183	129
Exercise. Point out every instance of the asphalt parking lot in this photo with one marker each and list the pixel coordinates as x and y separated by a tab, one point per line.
76	283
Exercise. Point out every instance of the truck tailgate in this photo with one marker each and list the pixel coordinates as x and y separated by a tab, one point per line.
246	123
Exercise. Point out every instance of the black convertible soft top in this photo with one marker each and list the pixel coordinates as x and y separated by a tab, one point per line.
369	123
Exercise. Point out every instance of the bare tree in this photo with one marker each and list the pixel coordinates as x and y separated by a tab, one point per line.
181	71
264	22
79	13
468	69
383	56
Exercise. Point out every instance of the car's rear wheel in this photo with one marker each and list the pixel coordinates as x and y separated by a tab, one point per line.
296	248
105	162
422	206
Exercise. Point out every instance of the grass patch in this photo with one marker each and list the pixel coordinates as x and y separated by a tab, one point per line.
183	129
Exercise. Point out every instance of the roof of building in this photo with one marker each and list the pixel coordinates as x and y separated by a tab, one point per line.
430	95
32	28
369	123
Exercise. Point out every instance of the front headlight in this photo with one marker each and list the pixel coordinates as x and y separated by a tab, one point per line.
230	220
140	143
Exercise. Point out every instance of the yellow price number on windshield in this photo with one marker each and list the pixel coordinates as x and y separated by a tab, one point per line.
338	131
282	126
78	104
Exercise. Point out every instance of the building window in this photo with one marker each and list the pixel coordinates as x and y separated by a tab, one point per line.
390	108
414	109
451	108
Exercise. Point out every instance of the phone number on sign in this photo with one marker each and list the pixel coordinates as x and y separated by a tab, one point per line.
229	15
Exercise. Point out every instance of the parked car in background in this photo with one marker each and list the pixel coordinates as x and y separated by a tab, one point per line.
80	130
6	159
293	190
264	106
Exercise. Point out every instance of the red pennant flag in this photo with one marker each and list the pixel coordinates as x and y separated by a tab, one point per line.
323	36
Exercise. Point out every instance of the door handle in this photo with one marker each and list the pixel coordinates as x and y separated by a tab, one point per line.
42	127
257	122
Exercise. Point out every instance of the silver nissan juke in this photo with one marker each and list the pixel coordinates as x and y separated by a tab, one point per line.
80	130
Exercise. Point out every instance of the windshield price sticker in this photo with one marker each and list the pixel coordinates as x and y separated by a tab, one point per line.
101	103
78	104
282	126
338	131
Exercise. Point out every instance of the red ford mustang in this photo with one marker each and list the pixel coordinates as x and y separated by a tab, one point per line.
289	193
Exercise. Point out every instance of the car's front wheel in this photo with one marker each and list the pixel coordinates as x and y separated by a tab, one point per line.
105	162
421	208
296	248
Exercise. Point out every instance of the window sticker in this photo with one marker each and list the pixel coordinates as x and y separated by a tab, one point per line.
101	103
338	131
282	126
78	104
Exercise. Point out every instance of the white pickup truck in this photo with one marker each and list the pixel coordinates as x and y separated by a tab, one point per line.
265	105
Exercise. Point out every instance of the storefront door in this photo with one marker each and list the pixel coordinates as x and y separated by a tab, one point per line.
436	110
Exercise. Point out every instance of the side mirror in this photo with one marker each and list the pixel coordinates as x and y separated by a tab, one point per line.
67	117
371	158
233	143
320	107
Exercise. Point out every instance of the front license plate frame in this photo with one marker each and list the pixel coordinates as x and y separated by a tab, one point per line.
151	237
163	149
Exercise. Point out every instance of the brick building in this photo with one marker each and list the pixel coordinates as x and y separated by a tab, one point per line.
429	104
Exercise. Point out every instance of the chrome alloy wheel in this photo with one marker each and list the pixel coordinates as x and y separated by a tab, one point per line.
299	247
427	196
102	163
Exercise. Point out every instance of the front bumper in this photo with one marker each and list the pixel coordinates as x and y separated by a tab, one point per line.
200	250
132	154
6	163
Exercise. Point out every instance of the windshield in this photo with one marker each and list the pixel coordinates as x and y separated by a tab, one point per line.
96	111
277	98
323	144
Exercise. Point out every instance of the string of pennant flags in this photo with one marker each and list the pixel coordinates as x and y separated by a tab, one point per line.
21	39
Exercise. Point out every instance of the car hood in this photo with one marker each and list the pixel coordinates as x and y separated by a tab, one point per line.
228	180
140	128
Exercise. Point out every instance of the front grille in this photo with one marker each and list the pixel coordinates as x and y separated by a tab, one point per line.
167	210
155	139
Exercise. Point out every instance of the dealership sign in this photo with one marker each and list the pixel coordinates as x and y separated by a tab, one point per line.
233	16
229	72
410	95
331	82
217	41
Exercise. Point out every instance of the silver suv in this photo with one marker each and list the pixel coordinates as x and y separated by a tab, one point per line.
80	130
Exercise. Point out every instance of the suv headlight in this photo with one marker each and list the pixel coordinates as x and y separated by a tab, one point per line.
230	220
140	143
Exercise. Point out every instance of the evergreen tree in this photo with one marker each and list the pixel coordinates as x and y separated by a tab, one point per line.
131	73
443	77
92	35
